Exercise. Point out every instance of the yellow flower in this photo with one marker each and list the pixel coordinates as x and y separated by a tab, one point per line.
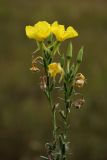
39	31
62	34
54	69
54	26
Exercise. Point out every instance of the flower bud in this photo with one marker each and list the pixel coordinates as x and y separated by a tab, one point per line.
80	55
69	51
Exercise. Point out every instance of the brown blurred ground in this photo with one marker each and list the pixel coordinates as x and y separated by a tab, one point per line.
24	119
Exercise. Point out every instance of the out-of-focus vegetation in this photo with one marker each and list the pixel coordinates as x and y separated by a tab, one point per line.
24	115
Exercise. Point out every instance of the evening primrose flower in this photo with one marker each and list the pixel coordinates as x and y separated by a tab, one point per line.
62	34
54	69
39	31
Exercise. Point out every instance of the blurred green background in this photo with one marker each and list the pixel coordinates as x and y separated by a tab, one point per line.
24	116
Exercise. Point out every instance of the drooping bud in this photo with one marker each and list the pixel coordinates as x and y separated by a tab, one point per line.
80	55
69	51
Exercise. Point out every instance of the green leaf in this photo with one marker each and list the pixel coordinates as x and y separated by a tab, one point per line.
62	145
55	47
62	114
51	87
65	87
50	39
44	157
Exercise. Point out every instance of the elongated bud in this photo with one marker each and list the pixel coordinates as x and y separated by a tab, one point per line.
80	55
69	51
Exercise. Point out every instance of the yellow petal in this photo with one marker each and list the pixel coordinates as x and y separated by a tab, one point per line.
42	30
54	69
62	34
39	31
54	26
71	32
59	32
30	32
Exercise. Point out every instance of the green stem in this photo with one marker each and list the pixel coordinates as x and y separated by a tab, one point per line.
54	125
67	106
53	116
68	64
52	109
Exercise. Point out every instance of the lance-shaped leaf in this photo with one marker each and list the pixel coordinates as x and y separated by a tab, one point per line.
62	145
50	39
44	157
62	114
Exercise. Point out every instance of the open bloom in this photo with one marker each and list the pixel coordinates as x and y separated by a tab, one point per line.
54	69
62	34
39	31
79	80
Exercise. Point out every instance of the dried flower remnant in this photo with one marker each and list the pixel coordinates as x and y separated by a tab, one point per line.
43	82
79	80
34	68
34	63
78	103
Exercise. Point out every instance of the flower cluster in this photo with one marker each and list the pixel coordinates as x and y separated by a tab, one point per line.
41	30
49	38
